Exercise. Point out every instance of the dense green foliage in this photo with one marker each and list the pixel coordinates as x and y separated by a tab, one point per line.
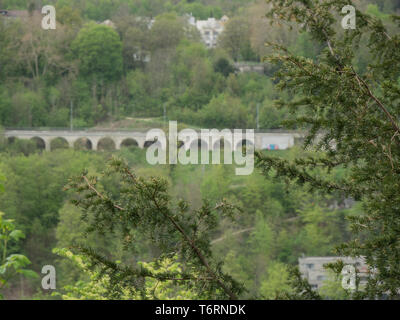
97	287
140	70
14	264
45	72
274	229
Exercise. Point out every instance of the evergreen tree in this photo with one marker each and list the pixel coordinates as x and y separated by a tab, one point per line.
176	231
352	118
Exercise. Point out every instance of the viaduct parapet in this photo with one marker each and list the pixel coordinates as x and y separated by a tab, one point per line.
94	140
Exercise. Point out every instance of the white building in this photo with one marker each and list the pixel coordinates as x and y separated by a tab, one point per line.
209	29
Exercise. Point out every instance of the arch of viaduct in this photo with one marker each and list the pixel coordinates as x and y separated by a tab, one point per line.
93	139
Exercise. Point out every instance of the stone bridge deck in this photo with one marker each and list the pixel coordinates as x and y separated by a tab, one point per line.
95	139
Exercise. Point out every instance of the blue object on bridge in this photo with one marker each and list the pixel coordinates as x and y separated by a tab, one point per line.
273	147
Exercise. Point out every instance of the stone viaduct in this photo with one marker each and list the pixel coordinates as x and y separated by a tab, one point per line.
95	140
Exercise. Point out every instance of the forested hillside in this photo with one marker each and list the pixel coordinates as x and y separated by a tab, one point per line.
121	75
43	73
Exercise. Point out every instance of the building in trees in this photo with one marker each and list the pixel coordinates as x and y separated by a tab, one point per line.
312	269
209	29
